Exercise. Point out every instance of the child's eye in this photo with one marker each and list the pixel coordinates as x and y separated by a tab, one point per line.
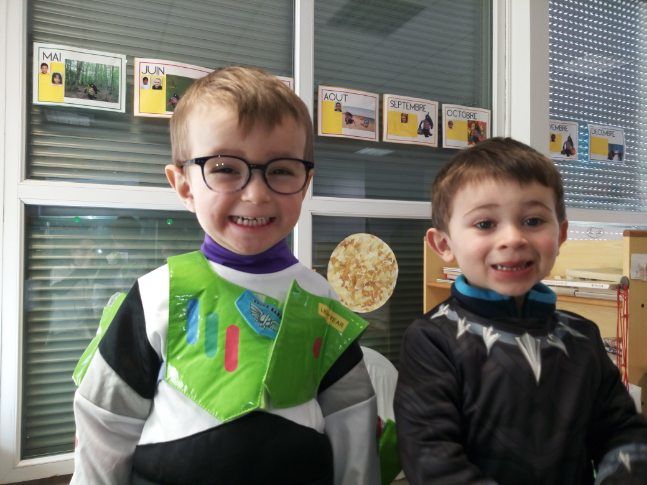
280	172
224	171
484	225
533	221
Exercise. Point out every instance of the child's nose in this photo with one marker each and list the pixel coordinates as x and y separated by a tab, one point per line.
512	236
256	189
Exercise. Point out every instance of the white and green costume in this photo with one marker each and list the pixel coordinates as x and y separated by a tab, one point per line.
211	375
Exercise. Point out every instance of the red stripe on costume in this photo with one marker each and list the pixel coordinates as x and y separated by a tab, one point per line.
231	348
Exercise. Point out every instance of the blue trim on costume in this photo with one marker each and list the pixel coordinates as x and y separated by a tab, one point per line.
211	335
466	289
192	321
542	294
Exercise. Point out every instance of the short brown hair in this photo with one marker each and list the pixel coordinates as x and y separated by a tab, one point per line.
255	94
501	159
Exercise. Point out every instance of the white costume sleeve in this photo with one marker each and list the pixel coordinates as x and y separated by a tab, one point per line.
114	399
350	410
105	444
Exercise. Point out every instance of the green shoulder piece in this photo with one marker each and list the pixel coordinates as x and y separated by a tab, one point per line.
314	332
109	312
389	456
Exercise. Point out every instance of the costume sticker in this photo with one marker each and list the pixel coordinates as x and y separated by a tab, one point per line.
563	143
264	318
409	120
464	126
159	85
606	143
348	113
80	78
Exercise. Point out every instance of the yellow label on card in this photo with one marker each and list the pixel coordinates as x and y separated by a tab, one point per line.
457	130
556	144
599	146
331	120
152	101
402	124
51	86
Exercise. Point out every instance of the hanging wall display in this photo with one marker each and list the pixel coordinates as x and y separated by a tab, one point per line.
288	81
563	144
80	78
464	126
363	271
160	84
409	120
348	113
606	143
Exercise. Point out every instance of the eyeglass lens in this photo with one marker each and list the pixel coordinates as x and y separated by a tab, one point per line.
225	174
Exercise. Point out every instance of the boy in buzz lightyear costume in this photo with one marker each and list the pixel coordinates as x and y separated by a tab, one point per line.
236	363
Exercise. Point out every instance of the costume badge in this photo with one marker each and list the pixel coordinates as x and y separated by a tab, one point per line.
264	318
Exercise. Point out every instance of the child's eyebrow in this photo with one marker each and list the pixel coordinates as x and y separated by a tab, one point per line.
530	204
536	203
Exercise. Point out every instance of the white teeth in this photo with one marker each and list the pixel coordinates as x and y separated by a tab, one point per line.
251	221
501	267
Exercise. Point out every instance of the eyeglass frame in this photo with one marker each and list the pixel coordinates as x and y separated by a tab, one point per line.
201	162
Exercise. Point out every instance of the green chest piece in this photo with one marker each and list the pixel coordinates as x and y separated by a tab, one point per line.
233	351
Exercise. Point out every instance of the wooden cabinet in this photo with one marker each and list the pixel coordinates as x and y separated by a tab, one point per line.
582	254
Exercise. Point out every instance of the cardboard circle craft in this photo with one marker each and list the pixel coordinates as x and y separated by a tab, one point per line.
363	271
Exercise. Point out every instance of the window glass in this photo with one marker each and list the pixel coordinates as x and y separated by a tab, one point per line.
405	237
76	258
118	148
432	50
598	59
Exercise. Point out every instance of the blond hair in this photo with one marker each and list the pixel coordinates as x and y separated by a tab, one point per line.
500	159
256	95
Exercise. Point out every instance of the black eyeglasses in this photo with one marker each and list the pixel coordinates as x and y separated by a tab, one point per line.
227	173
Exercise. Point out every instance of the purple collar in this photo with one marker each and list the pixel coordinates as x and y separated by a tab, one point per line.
277	258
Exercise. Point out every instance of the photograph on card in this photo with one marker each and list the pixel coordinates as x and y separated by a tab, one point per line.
464	126
409	120
348	113
564	141
161	85
606	143
71	76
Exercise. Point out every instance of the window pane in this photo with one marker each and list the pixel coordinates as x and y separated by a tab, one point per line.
76	258
597	75
588	230
98	146
405	237
433	50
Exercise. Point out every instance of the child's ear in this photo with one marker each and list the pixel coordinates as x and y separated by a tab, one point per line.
305	188
177	179
439	241
563	231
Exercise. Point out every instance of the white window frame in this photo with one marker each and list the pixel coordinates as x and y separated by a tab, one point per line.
520	109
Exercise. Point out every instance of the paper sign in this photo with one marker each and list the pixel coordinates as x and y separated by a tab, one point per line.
409	120
606	143
563	144
348	113
638	268
80	78
464	126
159	85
